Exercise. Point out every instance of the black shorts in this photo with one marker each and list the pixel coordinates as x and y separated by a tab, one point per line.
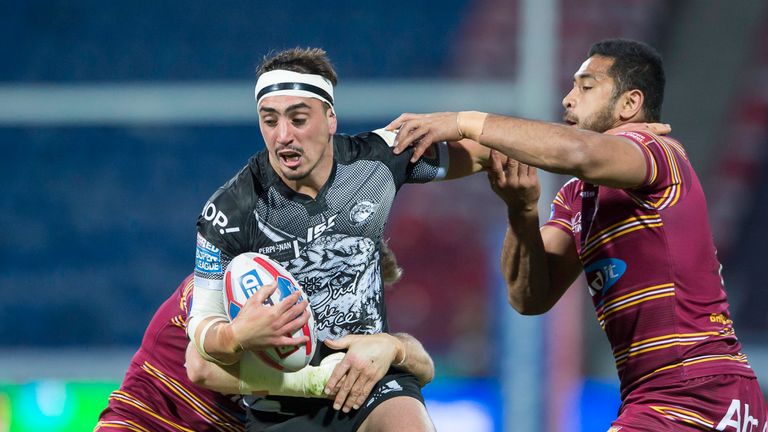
286	414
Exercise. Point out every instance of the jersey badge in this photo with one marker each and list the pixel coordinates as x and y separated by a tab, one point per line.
207	256
603	274
362	211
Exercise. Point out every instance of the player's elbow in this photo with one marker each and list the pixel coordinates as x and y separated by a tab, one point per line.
525	305
429	374
198	369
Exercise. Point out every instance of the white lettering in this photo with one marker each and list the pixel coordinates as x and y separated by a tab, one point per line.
249	284
317	230
209	212
728	420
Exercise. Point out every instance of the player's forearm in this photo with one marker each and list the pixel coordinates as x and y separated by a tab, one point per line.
220	343
223	379
414	359
594	157
553	147
524	264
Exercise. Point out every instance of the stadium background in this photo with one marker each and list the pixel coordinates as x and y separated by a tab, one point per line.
118	119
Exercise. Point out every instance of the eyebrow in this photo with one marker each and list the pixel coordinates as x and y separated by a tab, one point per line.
293	107
584	75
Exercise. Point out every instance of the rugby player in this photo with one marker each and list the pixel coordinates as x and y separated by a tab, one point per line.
634	220
317	202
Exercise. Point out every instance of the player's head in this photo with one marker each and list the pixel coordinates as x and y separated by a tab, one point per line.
621	81
294	97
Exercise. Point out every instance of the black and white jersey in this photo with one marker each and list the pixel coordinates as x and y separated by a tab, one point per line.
331	244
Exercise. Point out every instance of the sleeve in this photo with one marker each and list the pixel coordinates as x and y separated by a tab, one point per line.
222	231
668	170
432	166
561	211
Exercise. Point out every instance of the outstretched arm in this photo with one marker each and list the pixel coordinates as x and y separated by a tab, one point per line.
538	265
368	359
595	157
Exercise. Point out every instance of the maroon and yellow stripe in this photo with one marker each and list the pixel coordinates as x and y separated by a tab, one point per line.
222	420
619	229
126	398
686	416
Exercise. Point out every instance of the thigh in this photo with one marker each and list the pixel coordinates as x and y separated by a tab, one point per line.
309	415
398	414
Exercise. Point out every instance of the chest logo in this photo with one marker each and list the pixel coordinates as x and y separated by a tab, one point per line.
603	274
316	231
576	222
362	211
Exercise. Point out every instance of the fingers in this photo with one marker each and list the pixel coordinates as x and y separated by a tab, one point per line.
362	394
338	374
659	128
396	123
421	145
262	295
344	390
340	343
408	135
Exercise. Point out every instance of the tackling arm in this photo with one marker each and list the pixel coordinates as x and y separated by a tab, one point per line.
594	157
251	376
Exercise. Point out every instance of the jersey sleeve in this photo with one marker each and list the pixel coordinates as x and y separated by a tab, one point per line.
431	166
668	170
561	210
222	230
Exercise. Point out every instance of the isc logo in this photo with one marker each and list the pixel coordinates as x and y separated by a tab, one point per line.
317	230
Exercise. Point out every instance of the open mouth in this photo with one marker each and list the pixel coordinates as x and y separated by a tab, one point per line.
289	158
569	121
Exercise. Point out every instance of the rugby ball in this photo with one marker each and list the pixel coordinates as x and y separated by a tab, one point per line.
244	276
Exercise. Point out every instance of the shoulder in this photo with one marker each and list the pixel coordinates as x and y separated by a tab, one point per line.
366	145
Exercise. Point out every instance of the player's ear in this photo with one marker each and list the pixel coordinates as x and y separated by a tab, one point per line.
331	115
630	104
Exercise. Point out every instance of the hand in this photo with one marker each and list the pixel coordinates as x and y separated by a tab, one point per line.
514	182
423	130
258	326
367	360
656	128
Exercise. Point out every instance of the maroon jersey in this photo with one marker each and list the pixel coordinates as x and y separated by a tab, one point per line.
650	264
156	394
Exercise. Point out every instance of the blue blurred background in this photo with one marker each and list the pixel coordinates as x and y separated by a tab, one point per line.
119	119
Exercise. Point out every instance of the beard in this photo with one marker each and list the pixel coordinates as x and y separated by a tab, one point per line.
602	120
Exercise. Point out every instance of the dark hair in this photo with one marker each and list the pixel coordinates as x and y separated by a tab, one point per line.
302	60
635	66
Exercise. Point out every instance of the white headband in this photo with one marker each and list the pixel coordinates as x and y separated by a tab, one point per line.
287	83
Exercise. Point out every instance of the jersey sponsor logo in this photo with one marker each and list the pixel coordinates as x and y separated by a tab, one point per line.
207	256
218	219
316	231
362	211
603	274
740	419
